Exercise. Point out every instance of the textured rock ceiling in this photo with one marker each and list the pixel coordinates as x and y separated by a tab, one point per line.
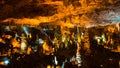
83	12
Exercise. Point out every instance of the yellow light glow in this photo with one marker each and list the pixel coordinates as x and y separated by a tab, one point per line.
15	43
47	49
2	63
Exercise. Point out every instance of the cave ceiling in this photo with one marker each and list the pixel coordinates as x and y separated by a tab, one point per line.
60	11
